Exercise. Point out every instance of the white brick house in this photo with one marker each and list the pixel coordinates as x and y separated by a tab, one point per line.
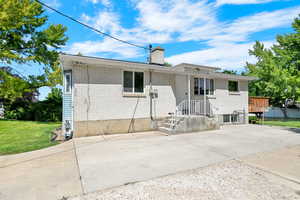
104	96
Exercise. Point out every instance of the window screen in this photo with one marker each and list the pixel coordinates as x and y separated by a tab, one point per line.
128	81
139	82
68	82
199	86
226	118
196	86
133	82
234	118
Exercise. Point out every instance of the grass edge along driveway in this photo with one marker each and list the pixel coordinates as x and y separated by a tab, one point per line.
291	123
23	136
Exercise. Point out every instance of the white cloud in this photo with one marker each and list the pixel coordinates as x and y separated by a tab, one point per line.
53	3
228	46
174	16
229	56
106	3
240	29
106	47
105	21
157	20
222	2
183	20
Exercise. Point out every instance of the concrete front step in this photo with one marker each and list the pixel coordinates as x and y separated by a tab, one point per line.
188	124
168	124
165	130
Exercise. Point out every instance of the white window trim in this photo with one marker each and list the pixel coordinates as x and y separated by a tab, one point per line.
233	92
133	93
209	95
65	82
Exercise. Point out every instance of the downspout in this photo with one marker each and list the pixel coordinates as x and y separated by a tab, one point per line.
189	94
204	96
150	84
151	95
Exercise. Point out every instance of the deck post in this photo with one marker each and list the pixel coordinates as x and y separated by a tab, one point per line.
189	93
204	96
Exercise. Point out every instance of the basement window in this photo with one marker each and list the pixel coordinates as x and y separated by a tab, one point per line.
133	82
226	118
230	118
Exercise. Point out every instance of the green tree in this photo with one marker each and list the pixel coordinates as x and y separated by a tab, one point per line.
227	71
12	86
24	37
166	64
277	69
50	109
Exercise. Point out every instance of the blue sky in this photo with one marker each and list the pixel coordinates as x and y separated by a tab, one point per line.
209	32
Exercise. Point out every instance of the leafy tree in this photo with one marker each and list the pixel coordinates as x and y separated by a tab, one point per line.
16	94
166	64
278	69
13	86
226	71
50	109
24	38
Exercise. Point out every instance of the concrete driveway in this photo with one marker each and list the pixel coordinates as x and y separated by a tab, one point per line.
112	163
98	163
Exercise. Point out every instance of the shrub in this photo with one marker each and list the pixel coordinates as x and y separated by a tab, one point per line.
253	119
48	110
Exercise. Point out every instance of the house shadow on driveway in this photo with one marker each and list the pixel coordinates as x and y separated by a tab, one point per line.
294	130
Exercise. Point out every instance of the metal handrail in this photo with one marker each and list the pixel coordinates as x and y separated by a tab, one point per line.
197	107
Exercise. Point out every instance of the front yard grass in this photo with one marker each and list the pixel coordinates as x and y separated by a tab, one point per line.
23	136
293	123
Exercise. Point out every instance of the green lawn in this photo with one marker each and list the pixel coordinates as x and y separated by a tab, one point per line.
283	122
23	136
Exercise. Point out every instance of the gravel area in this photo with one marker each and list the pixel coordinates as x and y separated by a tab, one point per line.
231	180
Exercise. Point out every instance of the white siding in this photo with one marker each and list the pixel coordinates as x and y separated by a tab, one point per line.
225	102
102	98
106	101
181	85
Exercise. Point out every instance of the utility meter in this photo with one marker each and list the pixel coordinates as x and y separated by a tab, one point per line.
154	94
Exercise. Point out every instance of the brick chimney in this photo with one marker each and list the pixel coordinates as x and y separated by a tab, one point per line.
157	56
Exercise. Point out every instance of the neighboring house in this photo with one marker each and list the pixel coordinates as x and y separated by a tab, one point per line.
104	96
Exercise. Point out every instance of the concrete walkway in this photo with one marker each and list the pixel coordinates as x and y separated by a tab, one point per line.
44	174
116	160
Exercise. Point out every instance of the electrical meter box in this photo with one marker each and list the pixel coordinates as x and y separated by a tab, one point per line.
154	94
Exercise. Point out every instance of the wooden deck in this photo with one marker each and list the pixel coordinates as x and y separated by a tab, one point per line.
258	104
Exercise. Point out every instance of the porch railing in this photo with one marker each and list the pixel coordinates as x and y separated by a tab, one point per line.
197	107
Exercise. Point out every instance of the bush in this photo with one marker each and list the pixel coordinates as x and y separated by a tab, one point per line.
48	110
253	119
11	114
16	110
